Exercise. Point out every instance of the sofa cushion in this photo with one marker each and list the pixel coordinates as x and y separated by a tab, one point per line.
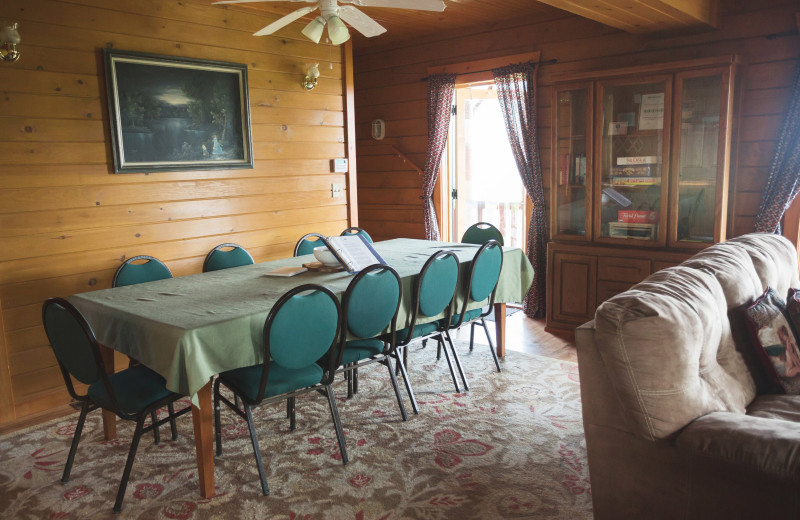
764	444
667	344
774	341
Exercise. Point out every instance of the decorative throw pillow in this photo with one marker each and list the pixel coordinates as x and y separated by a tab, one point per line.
774	341
793	308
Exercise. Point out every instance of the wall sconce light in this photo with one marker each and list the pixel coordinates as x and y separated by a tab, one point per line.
9	38
310	81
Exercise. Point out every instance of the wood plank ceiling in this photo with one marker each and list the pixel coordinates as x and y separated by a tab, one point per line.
471	16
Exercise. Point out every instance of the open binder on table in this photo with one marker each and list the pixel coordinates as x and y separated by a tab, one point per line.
354	252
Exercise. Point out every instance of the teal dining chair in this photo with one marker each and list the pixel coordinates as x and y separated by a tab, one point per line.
307	243
369	310
433	294
480	233
132	394
357	231
481	286
141	269
225	256
300	342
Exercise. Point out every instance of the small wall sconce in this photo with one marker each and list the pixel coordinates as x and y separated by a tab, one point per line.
9	38
310	81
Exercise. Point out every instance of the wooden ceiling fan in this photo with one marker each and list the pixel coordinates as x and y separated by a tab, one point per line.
335	15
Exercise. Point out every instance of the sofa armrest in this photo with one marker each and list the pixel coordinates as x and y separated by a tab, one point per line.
768	445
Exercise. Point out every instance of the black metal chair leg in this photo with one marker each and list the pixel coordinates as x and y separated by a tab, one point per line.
236	401
491	346
407	382
290	405
396	387
217	425
76	438
355	380
137	434
449	365
439	348
349	376
472	335
156	434
256	450
173	426
457	360
337	423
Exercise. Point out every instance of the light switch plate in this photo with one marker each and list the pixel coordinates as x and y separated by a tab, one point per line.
336	190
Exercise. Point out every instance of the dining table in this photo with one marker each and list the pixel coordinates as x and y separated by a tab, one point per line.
190	328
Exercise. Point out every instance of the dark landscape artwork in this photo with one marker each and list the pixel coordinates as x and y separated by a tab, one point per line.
171	114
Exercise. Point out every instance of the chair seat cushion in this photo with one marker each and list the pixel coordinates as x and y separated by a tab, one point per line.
468	316
420	330
135	388
281	380
361	349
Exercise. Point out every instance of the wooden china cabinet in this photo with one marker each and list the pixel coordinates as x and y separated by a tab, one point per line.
639	177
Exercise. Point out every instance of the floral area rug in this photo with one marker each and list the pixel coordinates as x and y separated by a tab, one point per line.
511	447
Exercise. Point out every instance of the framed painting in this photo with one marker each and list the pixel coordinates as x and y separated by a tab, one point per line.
171	114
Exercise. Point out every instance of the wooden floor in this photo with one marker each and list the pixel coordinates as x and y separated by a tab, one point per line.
528	335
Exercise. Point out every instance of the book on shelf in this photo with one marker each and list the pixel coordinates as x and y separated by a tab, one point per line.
637	216
634	171
354	252
642	159
635	181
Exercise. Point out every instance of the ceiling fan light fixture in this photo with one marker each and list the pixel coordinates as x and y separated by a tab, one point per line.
337	31
313	31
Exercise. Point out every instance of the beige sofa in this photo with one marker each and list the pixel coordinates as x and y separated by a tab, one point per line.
676	423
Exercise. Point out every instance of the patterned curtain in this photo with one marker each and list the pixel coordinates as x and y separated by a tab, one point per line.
516	85
440	102
783	183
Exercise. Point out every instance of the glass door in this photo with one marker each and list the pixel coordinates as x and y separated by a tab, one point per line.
632	160
701	123
572	163
487	185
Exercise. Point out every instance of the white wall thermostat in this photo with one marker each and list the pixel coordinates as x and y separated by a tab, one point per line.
378	129
339	165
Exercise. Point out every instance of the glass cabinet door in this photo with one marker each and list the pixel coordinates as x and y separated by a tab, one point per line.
632	160
699	169
572	130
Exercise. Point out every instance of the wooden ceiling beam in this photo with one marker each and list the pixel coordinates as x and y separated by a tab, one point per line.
644	16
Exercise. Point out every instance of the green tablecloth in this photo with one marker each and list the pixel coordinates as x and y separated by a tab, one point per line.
190	328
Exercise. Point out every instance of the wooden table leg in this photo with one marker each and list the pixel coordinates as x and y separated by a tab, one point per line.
109	419
500	328
203	420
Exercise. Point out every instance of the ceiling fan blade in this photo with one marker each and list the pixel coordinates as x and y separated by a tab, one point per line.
360	22
253	1
280	23
419	5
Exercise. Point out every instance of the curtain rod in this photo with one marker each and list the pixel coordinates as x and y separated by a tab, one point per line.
548	62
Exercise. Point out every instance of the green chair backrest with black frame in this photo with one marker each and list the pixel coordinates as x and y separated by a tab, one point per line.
131	272
307	243
136	270
434	290
357	231
369	315
300	341
481	286
481	232
132	394
225	256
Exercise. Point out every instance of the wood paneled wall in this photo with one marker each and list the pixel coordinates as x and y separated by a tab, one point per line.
66	221
389	86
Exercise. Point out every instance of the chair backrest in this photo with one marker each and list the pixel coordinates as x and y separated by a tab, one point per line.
73	343
357	231
481	232
307	243
225	256
371	302
435	288
130	273
484	273
301	329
